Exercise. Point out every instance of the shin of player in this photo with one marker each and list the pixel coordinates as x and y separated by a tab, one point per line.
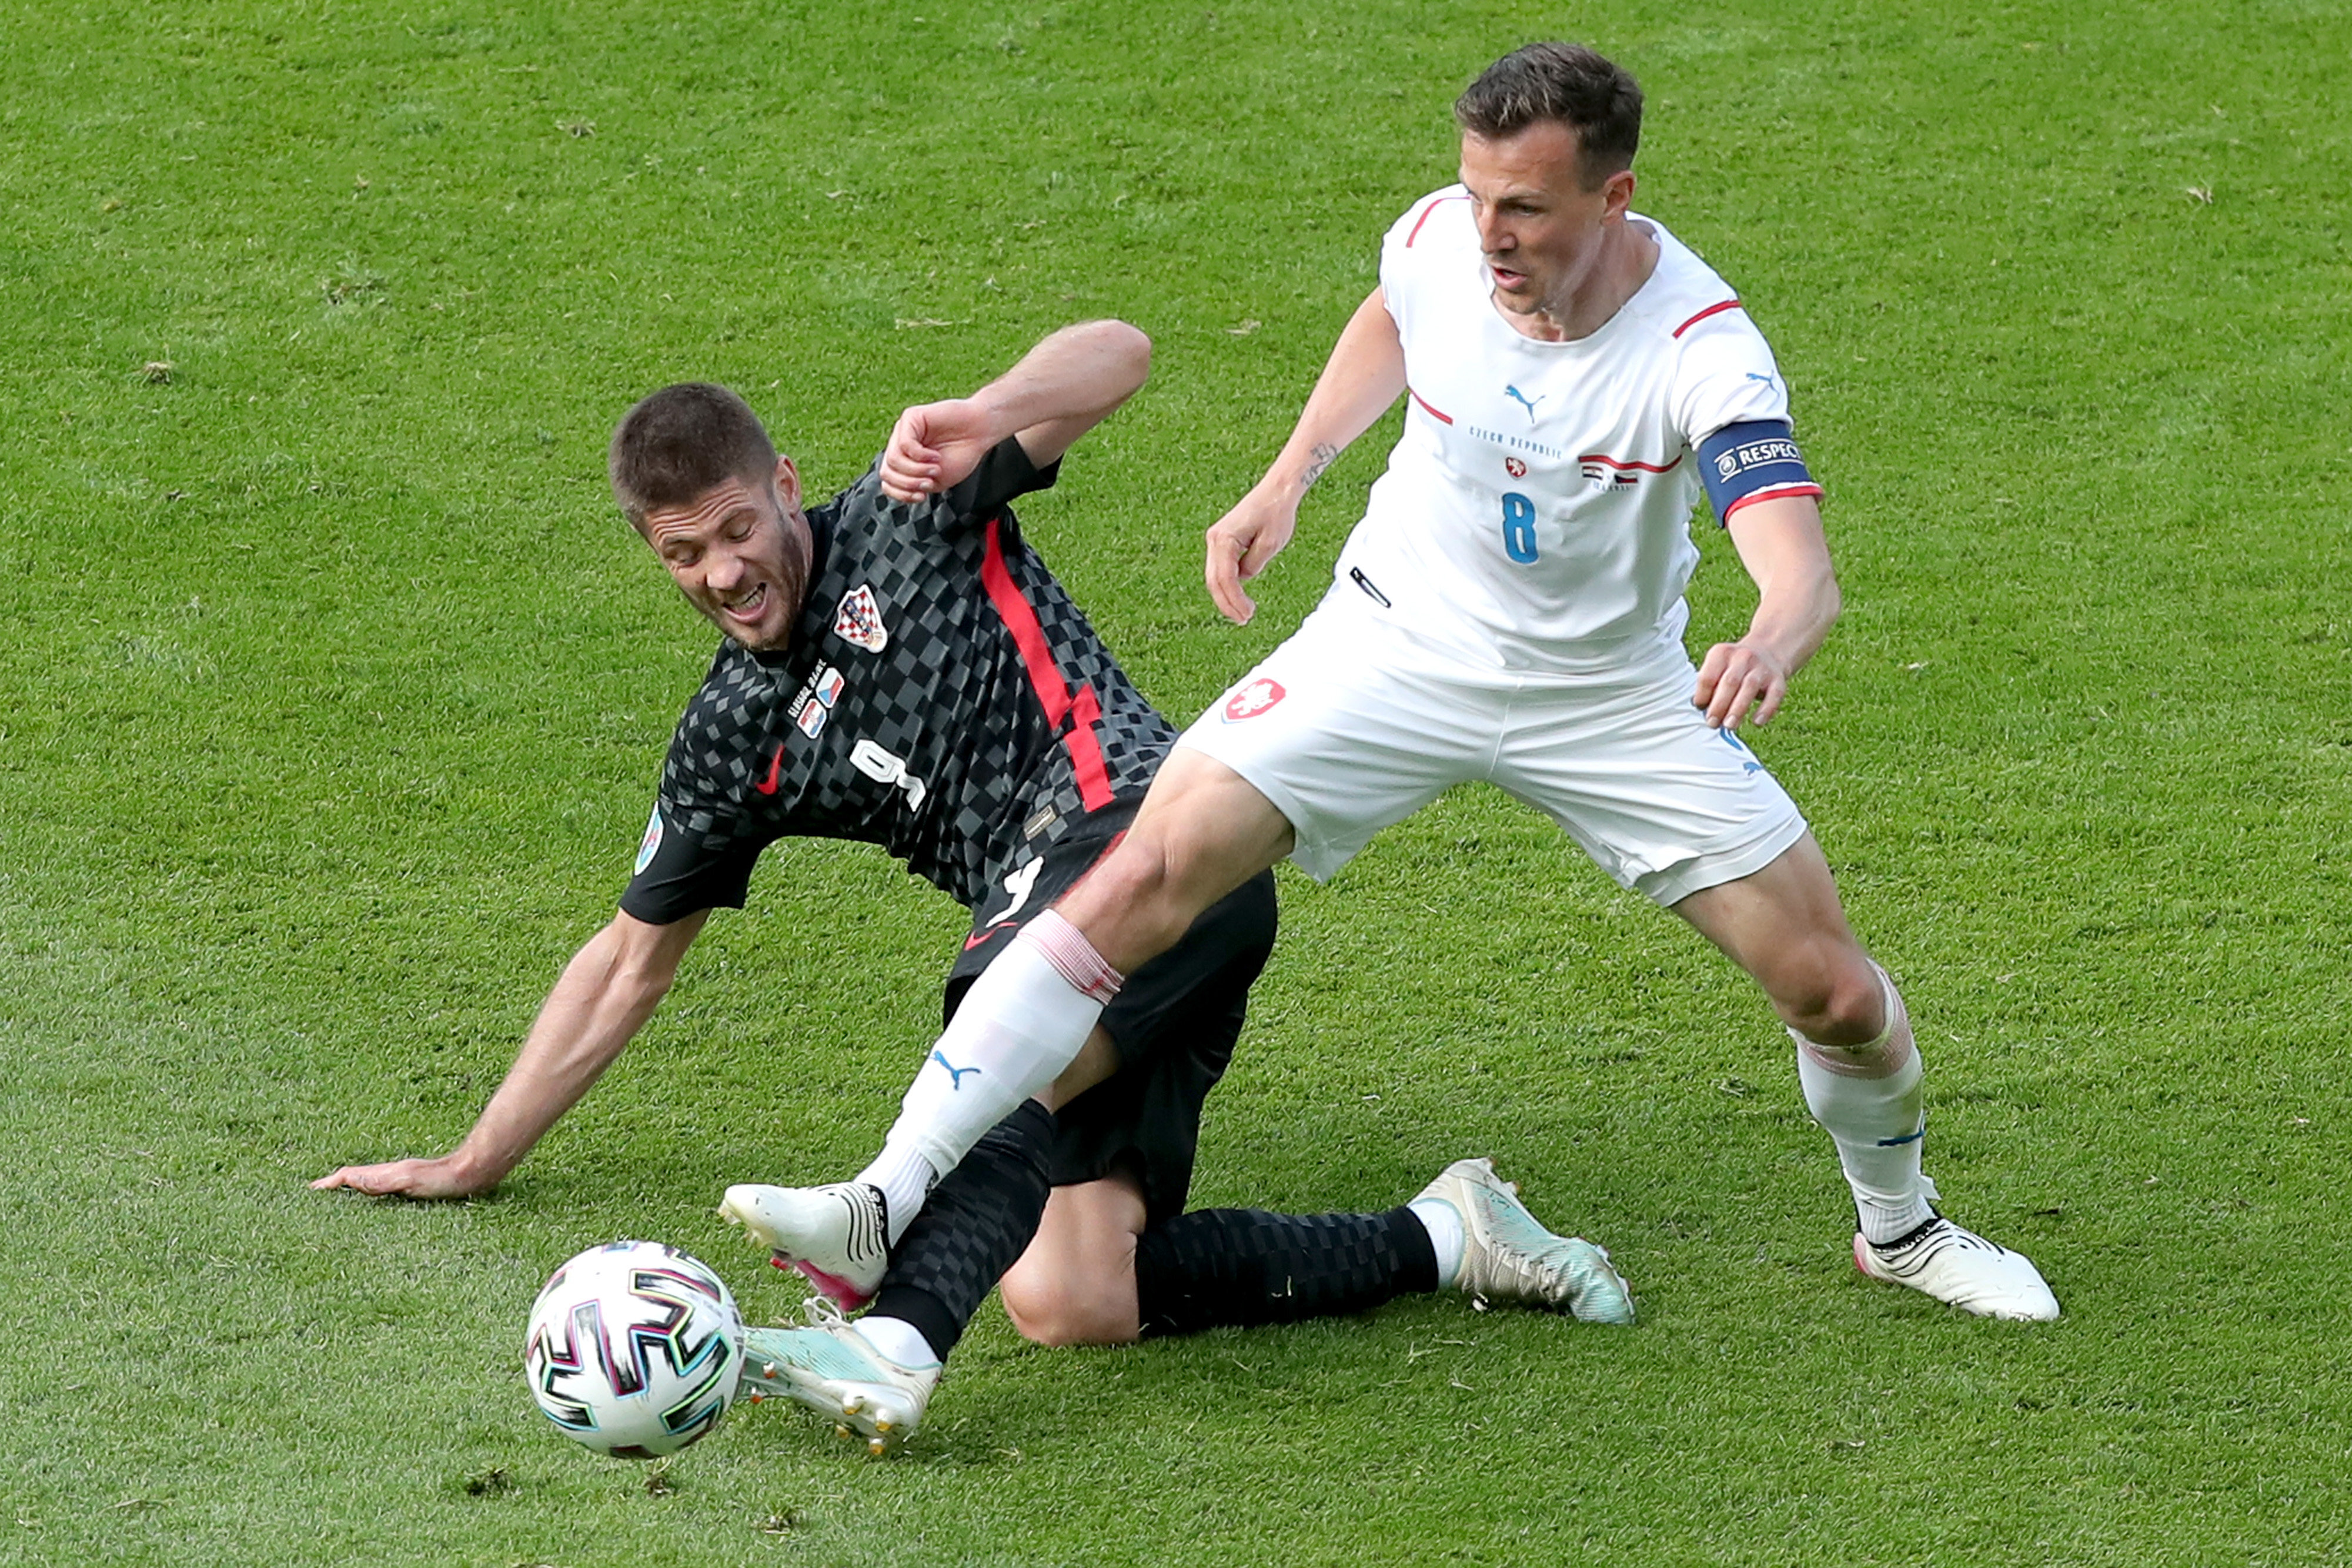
1021	1024
1870	1099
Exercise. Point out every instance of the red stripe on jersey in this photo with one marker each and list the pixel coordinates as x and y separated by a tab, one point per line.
1770	493
1441	418
1085	750
1711	310
1623	464
1424	217
1046	676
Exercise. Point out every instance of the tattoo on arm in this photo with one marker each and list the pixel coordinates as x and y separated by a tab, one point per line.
1324	455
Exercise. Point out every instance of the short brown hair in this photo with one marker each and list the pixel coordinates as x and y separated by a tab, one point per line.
1565	83
680	442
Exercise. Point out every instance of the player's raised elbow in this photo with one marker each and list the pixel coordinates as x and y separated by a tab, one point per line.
1126	351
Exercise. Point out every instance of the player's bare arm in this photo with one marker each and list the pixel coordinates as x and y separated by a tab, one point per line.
605	996
1782	543
1364	375
1068	384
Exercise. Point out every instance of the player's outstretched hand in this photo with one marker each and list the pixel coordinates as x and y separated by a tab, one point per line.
1737	677
1241	543
933	447
444	1178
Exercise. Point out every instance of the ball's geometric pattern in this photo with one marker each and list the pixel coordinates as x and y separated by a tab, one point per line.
634	1349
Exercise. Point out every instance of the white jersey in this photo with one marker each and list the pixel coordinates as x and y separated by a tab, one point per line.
1537	513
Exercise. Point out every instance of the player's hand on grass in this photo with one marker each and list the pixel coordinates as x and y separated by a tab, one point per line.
1739	677
442	1177
1241	543
934	446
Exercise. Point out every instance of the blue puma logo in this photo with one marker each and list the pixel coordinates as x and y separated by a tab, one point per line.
1754	377
955	1074
1522	399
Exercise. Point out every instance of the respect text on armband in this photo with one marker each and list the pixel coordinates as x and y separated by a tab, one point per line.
1755	455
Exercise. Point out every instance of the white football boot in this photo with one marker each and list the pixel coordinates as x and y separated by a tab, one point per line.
829	1367
1960	1269
1507	1256
836	1234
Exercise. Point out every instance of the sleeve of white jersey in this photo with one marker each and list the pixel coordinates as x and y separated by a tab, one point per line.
1392	259
1725	375
1404	246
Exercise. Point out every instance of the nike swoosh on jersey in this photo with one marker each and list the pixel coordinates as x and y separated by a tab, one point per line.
775	771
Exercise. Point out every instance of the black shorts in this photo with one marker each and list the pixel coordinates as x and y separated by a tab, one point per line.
1173	1024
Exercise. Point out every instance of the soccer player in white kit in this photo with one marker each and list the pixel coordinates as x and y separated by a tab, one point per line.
1509	608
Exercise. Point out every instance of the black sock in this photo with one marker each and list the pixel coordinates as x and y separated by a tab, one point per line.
974	1226
1237	1267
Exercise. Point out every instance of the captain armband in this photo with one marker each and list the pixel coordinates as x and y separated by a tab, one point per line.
1755	460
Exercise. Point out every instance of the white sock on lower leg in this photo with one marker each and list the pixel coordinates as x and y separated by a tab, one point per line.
1446	1237
1871	1101
1020	1023
898	1341
906	1180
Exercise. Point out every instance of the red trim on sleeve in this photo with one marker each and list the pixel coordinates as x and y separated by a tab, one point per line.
1045	677
1441	418
1710	310
1432	206
1770	493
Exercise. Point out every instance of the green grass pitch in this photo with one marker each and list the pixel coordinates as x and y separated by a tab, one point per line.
333	694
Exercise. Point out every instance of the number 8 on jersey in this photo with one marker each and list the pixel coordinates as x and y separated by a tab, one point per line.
1519	527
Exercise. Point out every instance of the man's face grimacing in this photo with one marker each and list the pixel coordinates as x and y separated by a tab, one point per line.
1543	232
740	553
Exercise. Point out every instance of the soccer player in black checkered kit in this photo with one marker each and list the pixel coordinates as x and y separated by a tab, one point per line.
899	668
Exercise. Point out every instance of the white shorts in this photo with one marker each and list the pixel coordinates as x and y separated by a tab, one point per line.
1352	724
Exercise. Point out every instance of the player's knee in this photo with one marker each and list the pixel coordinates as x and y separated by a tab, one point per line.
1830	994
1057	1308
1143	890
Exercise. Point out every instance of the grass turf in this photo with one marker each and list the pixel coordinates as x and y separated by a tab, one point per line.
334	696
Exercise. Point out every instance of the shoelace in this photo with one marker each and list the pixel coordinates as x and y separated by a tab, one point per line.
823	1312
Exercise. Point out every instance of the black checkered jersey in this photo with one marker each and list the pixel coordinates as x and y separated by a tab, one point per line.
941	697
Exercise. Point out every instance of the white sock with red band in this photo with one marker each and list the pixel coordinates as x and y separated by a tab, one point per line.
1023	1022
1871	1100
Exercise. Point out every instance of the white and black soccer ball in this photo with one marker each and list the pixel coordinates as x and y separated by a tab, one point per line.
635	1349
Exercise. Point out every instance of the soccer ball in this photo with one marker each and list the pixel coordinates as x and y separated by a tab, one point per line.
635	1349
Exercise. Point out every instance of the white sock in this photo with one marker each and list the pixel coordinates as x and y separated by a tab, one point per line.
896	1340
1871	1100
1020	1024
1446	1236
906	1180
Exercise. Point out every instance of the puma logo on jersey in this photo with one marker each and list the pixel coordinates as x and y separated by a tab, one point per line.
956	1076
1754	377
1515	395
